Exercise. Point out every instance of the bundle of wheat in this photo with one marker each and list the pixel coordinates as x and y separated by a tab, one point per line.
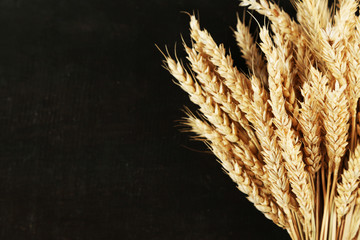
287	132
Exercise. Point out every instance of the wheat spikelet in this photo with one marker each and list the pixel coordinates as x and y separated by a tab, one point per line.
327	42
292	155
314	17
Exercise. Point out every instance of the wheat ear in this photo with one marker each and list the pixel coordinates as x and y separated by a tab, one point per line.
313	15
281	20
222	97
212	111
345	18
213	85
353	76
236	82
229	161
288	70
331	49
347	189
288	141
336	123
271	152
336	117
347	192
208	106
309	120
250	52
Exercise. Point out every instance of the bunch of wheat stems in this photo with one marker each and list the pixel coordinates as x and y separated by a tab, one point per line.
286	133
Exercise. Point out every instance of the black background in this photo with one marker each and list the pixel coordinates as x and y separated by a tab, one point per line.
89	143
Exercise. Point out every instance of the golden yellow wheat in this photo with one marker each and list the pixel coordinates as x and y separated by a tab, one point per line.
287	133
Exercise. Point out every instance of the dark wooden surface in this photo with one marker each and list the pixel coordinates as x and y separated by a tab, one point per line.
89	147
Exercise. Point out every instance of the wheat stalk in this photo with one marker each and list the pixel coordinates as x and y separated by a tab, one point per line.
287	133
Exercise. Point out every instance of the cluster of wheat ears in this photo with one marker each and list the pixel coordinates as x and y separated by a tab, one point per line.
287	131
